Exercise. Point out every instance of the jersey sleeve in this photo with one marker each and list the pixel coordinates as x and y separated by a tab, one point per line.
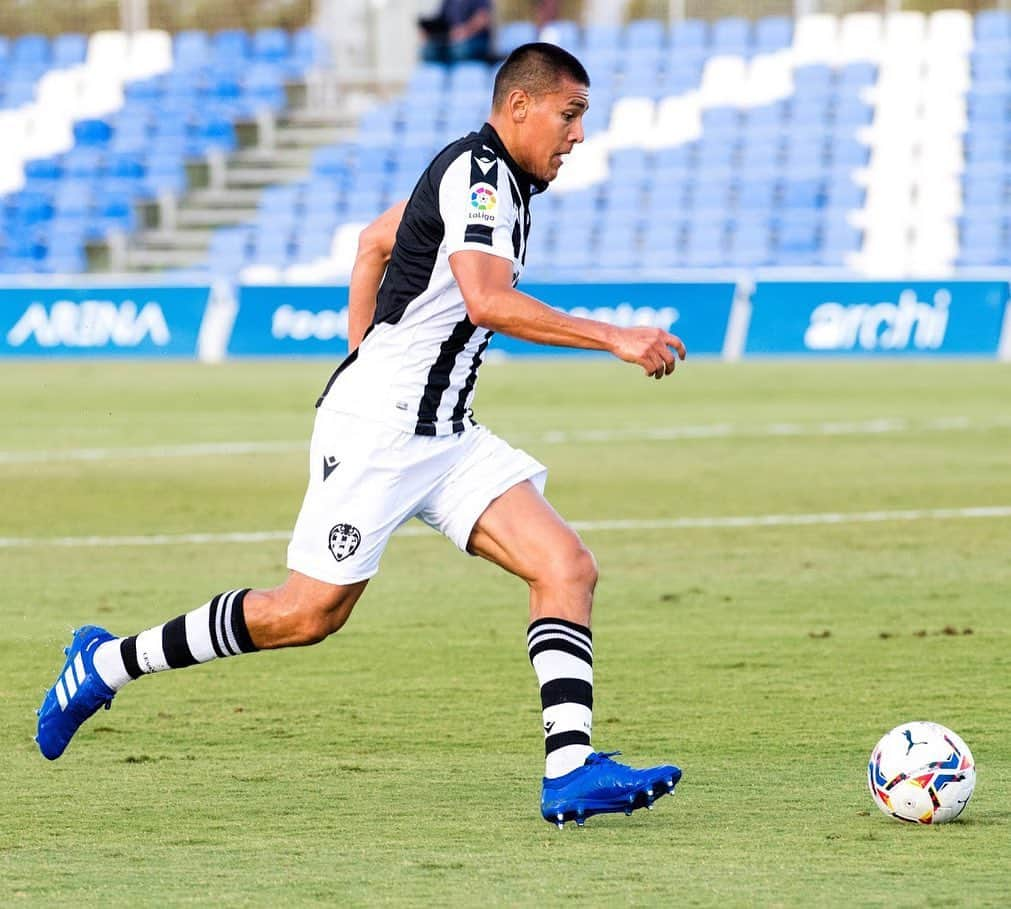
476	205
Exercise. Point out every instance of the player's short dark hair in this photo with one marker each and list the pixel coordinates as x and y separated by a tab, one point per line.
537	68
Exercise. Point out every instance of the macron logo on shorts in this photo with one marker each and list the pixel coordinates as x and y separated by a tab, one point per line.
330	464
344	540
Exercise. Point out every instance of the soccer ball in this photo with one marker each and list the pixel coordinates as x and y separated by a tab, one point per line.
922	773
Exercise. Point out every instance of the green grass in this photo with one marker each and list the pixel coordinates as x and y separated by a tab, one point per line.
399	762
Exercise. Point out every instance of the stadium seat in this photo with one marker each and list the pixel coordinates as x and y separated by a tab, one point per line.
993	27
773	33
30	50
645	34
731	35
689	34
271	45
564	33
510	35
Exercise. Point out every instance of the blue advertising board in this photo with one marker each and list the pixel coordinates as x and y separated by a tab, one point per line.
866	318
286	321
697	312
281	321
101	321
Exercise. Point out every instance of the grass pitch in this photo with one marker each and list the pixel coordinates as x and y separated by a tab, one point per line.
399	762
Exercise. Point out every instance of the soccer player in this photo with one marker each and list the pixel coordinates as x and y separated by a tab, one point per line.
395	438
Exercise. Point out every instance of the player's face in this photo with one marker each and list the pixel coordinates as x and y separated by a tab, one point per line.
554	125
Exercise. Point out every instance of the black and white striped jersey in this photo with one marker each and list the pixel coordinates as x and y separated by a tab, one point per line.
417	366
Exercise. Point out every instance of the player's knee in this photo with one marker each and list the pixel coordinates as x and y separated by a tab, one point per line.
572	567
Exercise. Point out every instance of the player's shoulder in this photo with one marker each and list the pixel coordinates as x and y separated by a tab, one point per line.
473	149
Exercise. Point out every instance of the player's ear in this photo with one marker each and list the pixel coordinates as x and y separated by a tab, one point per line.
519	104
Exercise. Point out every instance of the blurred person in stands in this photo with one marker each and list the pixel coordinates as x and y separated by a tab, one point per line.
461	30
545	11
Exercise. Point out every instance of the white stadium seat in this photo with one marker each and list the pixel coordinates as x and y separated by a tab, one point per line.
678	120
150	54
815	39
861	37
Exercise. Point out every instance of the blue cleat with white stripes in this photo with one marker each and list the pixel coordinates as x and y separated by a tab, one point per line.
603	786
77	694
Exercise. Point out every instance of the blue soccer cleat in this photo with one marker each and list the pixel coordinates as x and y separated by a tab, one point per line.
76	695
601	786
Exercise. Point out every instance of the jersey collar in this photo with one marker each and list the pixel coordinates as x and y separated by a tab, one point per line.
528	181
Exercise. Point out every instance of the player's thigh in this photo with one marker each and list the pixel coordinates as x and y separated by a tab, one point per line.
478	469
522	532
361	488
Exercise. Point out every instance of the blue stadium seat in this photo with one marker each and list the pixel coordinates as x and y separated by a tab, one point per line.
31	49
810	110
714	153
848	153
988	66
43	168
164	173
853	113
750	243
689	33
808	194
565	33
704	246
84	163
230	46
510	35
721	121
17	93
660	243
993	27
731	35
271	45
69	50
601	35
813	79
844	195
645	34
308	51
263	88
859	75
116	212
313	245
773	33
191	50
74	197
92	132
756	195
711	196
5	50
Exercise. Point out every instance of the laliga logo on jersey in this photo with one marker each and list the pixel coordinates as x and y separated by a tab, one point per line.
880	326
483	202
302	324
91	323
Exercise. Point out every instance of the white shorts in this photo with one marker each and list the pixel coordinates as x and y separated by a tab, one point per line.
366	479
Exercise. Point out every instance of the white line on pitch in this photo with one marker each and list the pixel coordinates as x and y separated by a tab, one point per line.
895	425
742	521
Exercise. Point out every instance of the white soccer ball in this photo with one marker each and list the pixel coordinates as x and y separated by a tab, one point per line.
922	773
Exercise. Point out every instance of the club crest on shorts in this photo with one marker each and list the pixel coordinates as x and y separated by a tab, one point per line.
344	540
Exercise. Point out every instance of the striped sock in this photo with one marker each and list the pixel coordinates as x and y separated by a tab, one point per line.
216	629
562	657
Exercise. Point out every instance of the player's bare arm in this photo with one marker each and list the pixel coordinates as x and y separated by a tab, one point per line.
492	302
375	244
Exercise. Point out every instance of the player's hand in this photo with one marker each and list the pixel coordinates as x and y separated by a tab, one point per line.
655	350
